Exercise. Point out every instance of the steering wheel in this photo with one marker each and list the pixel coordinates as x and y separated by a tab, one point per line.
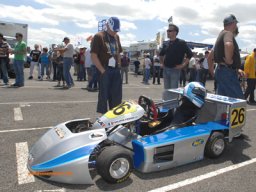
149	107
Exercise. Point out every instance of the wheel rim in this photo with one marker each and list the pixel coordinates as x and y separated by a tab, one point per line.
119	168
218	146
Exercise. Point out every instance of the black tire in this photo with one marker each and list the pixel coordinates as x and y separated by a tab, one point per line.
113	159
215	145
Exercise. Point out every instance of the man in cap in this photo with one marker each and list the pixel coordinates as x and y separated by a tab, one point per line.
105	54
20	54
227	56
68	52
4	47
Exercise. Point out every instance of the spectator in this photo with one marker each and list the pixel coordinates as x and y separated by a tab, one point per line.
172	59
250	71
35	54
227	56
136	66
19	51
68	52
4	53
59	62
192	68
105	53
203	72
156	68
125	61
45	62
148	63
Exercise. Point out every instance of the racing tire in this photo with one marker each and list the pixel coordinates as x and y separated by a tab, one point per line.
215	145
114	164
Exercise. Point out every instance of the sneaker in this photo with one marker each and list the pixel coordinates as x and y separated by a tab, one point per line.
66	87
31	77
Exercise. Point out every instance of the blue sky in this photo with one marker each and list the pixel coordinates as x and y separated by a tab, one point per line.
199	20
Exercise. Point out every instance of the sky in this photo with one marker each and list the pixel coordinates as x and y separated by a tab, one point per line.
199	21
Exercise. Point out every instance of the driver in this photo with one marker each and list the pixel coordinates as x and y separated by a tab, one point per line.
192	100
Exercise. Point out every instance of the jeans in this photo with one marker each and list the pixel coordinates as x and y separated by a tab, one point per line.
3	65
228	83
110	90
147	75
203	75
18	66
156	74
171	80
124	70
46	67
93	83
67	63
250	89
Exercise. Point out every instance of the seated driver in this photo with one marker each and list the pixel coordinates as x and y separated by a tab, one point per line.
192	100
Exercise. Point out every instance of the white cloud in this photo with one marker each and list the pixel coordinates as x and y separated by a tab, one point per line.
206	16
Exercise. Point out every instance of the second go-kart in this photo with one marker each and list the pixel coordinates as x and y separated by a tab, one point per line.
146	136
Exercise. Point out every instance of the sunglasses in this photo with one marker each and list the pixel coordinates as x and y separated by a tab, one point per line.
170	30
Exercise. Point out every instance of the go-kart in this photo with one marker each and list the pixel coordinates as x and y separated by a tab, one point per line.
136	135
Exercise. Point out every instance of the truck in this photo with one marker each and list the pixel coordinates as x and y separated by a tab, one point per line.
9	29
137	51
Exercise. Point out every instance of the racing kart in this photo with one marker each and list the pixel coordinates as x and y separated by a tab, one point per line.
136	135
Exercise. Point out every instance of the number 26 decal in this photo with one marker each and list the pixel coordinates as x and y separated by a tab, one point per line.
237	117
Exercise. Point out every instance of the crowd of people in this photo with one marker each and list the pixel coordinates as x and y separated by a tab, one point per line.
105	65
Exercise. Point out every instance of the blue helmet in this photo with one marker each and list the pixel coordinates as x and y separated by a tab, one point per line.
196	93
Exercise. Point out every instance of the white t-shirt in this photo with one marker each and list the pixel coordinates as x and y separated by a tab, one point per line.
147	63
156	61
70	50
88	59
192	63
205	64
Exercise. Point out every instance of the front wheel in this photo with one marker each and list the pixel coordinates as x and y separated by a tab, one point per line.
114	164
215	145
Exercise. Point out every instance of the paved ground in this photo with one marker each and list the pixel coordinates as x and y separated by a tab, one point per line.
27	113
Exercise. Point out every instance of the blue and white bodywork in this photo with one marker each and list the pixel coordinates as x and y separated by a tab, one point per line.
135	136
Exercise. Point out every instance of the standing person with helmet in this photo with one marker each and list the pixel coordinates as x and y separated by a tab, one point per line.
172	59
227	56
105	54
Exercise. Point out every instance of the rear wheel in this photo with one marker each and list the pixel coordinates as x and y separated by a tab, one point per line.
114	164
215	145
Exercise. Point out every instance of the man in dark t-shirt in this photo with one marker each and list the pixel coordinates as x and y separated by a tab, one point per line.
172	60
35	54
105	54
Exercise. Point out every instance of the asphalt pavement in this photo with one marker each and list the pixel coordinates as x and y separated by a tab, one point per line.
26	113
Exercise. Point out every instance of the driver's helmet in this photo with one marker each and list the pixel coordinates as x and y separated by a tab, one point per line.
196	93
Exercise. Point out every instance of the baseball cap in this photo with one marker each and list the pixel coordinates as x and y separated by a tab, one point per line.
229	19
114	24
65	38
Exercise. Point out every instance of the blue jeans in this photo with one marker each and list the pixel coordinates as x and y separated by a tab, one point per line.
44	66
156	74
3	65
147	75
93	83
228	83
18	66
110	90
171	80
67	63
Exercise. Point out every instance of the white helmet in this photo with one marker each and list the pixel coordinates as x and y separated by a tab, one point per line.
196	93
